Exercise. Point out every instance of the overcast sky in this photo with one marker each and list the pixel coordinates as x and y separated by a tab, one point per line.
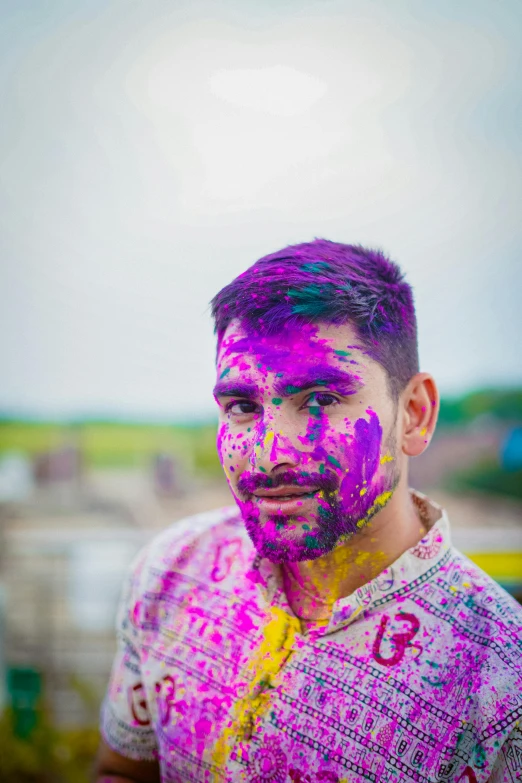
151	151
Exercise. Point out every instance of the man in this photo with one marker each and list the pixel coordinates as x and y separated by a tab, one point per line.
325	629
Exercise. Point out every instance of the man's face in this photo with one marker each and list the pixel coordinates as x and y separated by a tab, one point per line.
307	437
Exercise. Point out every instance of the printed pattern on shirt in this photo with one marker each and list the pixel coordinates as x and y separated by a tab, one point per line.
417	676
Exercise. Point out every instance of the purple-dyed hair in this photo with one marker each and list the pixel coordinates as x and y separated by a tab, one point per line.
323	281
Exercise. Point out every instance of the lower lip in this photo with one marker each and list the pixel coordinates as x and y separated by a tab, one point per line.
292	505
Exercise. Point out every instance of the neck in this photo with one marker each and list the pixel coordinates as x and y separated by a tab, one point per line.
313	586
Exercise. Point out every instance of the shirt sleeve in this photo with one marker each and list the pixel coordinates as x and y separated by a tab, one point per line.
125	720
508	766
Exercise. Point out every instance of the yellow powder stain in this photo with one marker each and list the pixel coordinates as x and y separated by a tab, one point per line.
374	557
386	458
363	491
258	447
269	437
380	500
361	558
268	660
423	431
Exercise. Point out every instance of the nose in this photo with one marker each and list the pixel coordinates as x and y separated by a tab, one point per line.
273	451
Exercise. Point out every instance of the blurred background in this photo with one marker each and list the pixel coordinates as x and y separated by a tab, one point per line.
150	152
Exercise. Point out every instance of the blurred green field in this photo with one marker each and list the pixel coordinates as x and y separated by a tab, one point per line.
115	444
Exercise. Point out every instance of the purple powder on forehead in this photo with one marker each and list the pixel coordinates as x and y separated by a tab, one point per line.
328	282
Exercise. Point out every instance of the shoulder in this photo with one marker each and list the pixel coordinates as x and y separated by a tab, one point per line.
480	595
484	656
219	522
491	622
193	546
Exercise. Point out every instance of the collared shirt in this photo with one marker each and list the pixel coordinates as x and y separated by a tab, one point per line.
417	676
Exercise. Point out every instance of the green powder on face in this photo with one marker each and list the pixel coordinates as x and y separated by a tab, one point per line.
321	468
262	469
333	461
277	401
311	542
225	372
342	353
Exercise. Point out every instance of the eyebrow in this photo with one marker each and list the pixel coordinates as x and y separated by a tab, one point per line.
322	375
236	389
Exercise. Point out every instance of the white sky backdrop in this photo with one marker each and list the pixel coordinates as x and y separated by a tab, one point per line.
151	151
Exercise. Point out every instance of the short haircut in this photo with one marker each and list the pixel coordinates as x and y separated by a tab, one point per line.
328	282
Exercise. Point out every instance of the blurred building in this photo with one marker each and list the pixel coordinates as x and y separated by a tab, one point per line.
453	449
16	477
64	551
62	574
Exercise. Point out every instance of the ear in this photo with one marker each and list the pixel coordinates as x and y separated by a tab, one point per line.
420	404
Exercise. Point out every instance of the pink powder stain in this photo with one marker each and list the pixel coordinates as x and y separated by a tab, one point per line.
242	617
254	577
196	610
136	612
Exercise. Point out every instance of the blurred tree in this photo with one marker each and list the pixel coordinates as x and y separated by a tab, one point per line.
502	404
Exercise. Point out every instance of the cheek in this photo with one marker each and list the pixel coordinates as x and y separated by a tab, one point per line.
233	447
221	440
361	456
339	441
329	442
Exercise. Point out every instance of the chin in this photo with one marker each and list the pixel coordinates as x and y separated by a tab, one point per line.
331	526
297	552
274	540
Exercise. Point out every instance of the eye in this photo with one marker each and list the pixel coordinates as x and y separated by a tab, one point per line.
321	399
229	408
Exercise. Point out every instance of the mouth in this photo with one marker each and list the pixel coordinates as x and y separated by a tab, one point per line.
286	491
292	496
288	502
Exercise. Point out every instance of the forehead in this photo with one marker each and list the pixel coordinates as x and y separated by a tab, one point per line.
304	346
